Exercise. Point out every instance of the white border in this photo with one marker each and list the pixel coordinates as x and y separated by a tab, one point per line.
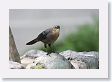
102	72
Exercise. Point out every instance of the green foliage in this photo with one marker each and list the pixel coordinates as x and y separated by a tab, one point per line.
85	39
38	67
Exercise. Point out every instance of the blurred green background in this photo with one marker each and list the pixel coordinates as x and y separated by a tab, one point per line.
85	39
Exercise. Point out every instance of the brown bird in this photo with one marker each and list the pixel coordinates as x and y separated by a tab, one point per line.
48	37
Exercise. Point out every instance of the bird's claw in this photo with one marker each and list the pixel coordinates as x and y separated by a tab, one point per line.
48	54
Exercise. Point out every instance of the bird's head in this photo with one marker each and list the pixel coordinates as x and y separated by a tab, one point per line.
57	27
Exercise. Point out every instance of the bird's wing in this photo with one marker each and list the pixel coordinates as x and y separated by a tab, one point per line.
44	34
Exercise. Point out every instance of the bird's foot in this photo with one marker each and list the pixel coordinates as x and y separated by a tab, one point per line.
55	52
48	53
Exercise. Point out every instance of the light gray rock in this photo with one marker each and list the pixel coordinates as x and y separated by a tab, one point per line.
26	61
51	61
78	64
30	56
36	66
15	65
72	54
91	59
37	59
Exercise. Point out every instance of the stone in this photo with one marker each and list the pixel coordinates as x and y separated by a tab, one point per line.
51	61
37	59
26	61
36	66
91	59
30	56
78	64
15	65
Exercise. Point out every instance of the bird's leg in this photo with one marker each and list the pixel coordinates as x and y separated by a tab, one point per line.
50	46
45	45
49	50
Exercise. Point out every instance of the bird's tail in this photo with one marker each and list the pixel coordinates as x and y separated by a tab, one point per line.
32	42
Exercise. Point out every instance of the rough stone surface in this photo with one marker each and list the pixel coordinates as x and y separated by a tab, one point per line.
37	59
26	61
78	64
36	66
15	65
30	56
52	61
91	59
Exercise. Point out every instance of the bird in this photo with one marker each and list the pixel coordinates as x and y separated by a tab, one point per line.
48	37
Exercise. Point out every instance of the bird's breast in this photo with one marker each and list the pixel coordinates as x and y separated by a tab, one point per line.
51	37
55	34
